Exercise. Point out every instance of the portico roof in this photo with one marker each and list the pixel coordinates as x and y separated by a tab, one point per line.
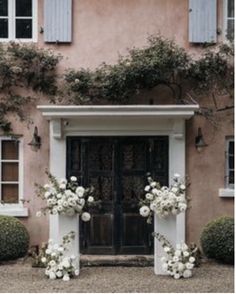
75	111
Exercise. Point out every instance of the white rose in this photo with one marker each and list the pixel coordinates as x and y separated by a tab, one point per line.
55	246
176	276
175	258
153	184
85	216
62	186
149	196
182	187
90	199
166	249
38	213
54	210
59	208
47	194
44	259
66	278
48	251
46	186
191	259
73	179
52	275
147	188
68	192
176	176
80	191
183	207
144	211
76	272
181	266
153	206
81	202
187	274
189	265
174	190
65	204
63	181
186	253
59	274
52	263
59	195
155	191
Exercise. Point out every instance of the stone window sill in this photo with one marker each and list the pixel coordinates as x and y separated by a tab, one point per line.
226	192
17	211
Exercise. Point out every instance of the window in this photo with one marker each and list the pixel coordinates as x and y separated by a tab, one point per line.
230	163
18	20
229	19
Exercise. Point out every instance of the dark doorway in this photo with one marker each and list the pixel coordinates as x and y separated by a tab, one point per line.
117	167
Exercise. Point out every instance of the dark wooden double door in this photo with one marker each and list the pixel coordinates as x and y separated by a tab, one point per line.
117	168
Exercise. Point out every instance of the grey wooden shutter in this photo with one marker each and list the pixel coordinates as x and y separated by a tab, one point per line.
58	21
202	21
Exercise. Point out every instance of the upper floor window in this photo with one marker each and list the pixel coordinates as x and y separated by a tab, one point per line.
18	20
229	19
10	172
230	163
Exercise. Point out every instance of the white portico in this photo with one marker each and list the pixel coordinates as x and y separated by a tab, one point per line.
122	120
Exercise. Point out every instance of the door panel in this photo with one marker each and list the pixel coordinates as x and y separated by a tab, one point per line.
117	167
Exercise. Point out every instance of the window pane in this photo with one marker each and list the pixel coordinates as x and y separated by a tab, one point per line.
3	28
231	177
10	172
231	148
230	8
23	28
10	193
23	7
230	29
3	8
10	149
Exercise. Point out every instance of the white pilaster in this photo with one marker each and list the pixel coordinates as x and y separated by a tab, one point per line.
60	225
173	227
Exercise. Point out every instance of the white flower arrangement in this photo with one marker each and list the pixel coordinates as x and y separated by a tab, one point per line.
178	262
66	197
59	266
163	201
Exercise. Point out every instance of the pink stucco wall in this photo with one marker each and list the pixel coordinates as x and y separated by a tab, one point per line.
102	30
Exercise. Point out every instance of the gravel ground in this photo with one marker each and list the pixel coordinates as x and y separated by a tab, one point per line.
210	277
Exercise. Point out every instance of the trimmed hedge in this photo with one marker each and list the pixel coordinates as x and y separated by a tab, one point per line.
14	238
217	240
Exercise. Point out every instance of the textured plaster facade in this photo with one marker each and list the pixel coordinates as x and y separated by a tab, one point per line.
102	30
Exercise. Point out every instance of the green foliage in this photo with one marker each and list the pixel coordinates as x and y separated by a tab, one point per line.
14	238
217	239
24	67
141	69
161	62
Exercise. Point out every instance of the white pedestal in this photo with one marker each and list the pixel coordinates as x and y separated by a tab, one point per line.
172	228
60	226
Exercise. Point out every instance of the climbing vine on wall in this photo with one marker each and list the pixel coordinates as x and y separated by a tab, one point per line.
28	69
24	69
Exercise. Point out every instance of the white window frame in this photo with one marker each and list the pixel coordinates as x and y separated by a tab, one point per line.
228	191
225	15
12	22
14	209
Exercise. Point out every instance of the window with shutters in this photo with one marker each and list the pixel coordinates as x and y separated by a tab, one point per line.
18	20
229	19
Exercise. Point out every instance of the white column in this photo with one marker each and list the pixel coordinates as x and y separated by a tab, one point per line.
60	225
173	227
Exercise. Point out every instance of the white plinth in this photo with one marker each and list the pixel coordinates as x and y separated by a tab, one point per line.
60	226
168	227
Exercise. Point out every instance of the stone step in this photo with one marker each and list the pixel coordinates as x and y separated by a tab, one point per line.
117	260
